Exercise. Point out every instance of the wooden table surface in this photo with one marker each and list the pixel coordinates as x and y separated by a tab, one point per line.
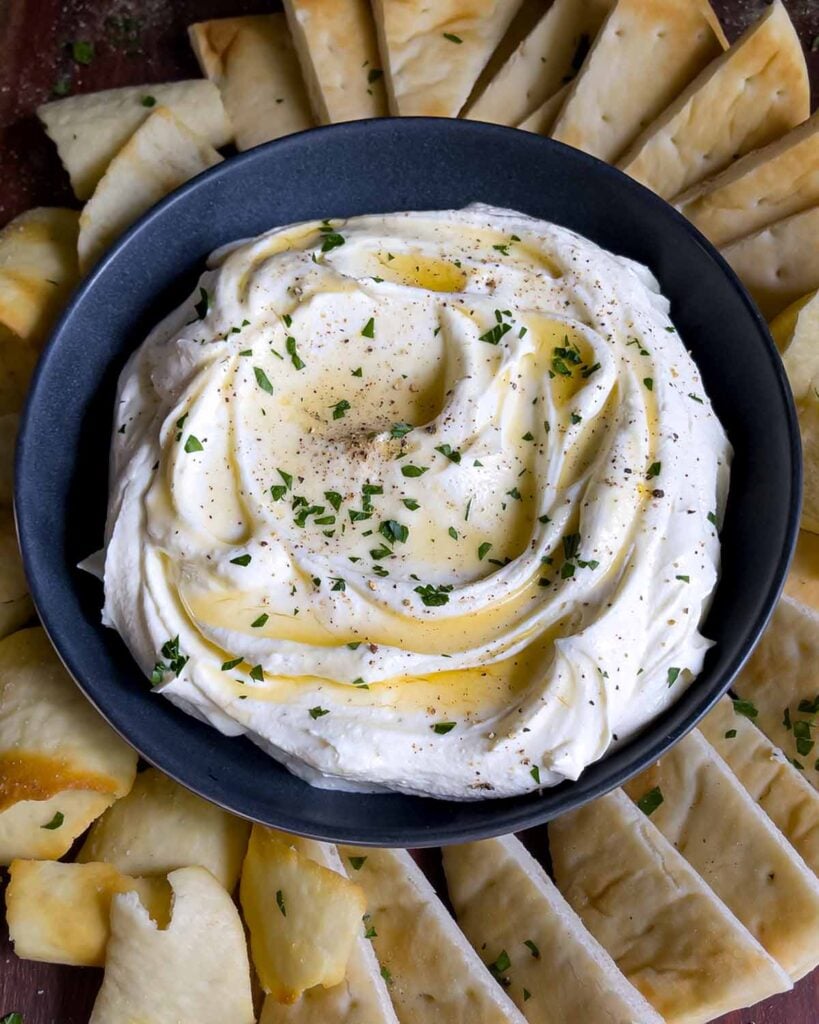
141	41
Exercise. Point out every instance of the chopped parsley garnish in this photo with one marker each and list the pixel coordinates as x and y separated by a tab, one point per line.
527	995
434	596
694	398
532	947
504	248
290	347
514	494
730	734
394	531
55	822
332	239
193	444
148	101
712	518
382	551
257	673
534	771
373	75
318	712
566	571
560	367
649	383
746	708
12	1018
400	429
673	676
334	498
280	902
528	436
410	503
650	801
82	51
451	453
258	623
385	974
413	471
241	560
587	371
338	582
654	470
368	330
442	728
262	380
576	418
287	478
228	665
494	334
501	964
483	550
340	409
453	533
571	545
202	306
369	931
357	863
174	662
358	372
683	579
452	37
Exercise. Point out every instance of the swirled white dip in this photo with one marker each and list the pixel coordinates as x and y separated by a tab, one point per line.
421	501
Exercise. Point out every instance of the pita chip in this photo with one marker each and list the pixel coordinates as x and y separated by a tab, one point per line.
89	130
38	269
160	826
779	688
51	738
362	997
709	817
433	53
195	969
338	52
752	94
643	58
254	64
761	187
58	913
540	65
17	361
541	121
9	423
46	829
16	608
514	916
432	972
802	582
160	156
668	933
784	795
780	262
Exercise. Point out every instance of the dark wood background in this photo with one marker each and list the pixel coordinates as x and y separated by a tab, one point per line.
141	41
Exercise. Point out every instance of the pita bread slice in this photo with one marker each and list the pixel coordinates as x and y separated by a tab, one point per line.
160	826
755	92
644	56
362	997
16	608
779	262
9	422
779	686
802	582
541	63
89	130
160	156
17	361
432	972
254	64
664	927
761	187
338	52
51	738
23	831
195	969
512	913
541	121
38	269
709	817
433	53
790	802
58	913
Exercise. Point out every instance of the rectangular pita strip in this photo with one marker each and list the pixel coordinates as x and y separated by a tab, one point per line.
755	92
644	56
433	53
551	52
89	130
510	910
254	64
762	187
431	970
668	933
708	816
338	52
802	583
541	121
780	262
779	677
784	795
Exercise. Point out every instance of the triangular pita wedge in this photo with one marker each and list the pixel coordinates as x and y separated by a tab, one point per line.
752	94
541	63
541	121
51	738
784	324
510	910
254	64
801	360
362	996
160	826
779	677
338	53
642	59
779	262
194	970
58	913
790	802
89	130
761	187
433	53
666	930
802	582
38	269
160	156
9	423
432	972
17	361
709	817
16	608
23	832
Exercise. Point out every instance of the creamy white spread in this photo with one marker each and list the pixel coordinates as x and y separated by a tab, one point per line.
424	502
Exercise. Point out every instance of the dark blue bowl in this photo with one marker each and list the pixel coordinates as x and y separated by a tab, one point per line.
339	171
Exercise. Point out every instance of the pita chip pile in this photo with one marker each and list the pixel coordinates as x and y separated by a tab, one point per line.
691	891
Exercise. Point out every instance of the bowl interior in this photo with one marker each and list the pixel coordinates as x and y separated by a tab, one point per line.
343	170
